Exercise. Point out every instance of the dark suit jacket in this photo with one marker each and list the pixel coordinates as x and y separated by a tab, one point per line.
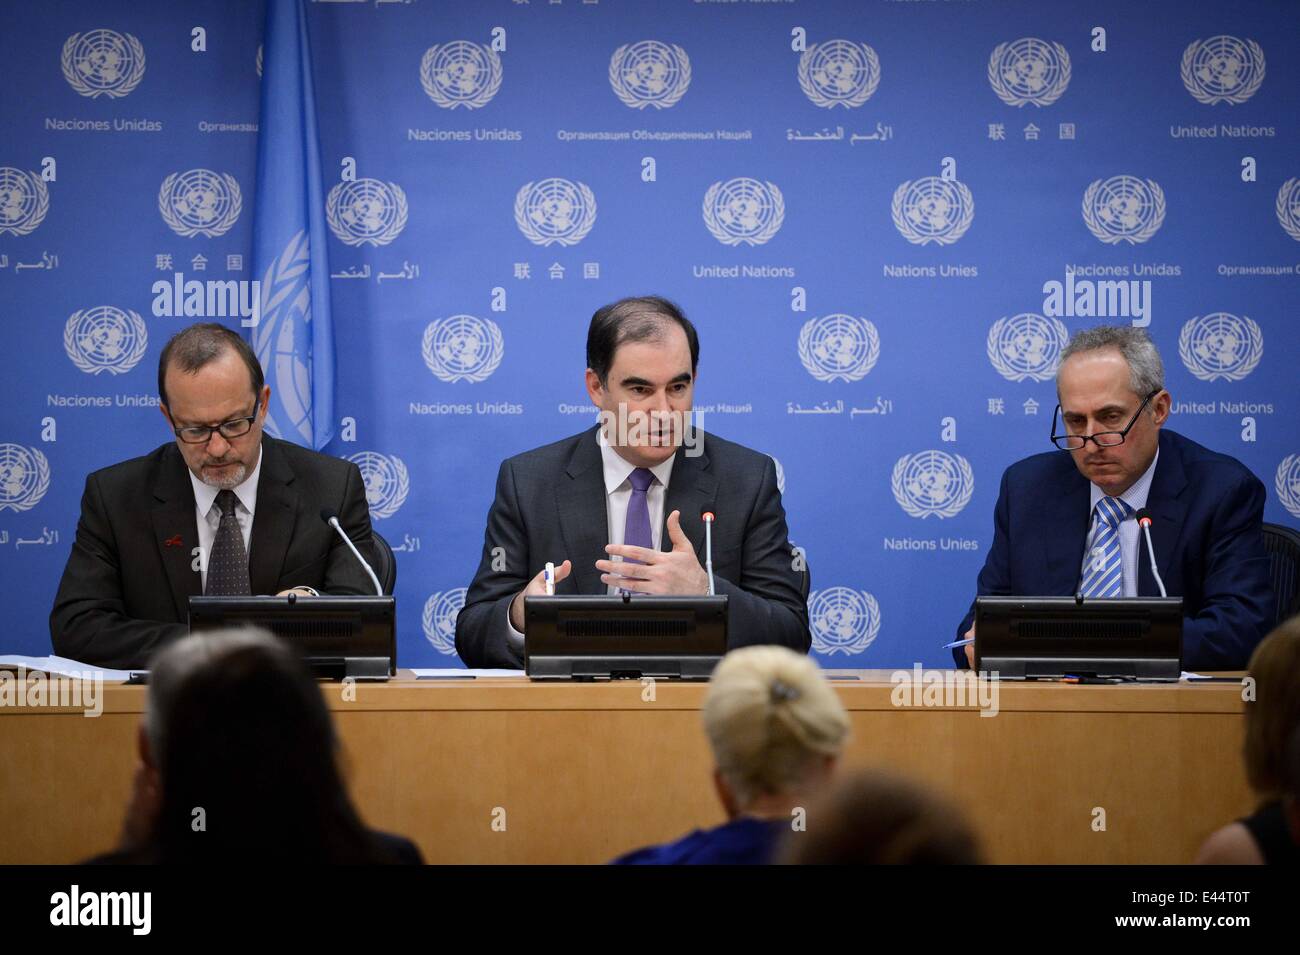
550	505
126	586
1206	515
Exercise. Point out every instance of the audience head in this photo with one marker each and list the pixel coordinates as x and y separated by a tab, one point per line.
775	724
240	744
1273	717
879	818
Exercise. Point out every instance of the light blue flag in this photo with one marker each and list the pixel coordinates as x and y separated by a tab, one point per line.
293	335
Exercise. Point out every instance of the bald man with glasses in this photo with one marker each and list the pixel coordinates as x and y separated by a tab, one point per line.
222	510
1065	521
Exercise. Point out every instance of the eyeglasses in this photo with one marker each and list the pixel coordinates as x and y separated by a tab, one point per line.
234	428
1103	439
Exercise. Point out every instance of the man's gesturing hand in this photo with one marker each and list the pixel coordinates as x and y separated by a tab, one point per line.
674	571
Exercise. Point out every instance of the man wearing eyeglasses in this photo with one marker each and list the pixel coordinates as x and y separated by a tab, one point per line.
1065	520
222	510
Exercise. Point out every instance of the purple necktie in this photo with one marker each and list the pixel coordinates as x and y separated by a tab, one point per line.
636	531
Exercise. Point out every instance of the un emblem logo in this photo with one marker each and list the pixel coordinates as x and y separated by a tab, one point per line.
460	73
463	348
649	73
839	73
932	482
1287	482
1124	209
1223	69
386	481
1221	345
932	210
1029	70
105	339
366	211
439	618
103	63
838	347
842	620
555	210
1027	346
200	202
24	477
1288	207
743	210
24	200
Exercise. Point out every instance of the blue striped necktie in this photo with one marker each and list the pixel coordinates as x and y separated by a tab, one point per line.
1103	574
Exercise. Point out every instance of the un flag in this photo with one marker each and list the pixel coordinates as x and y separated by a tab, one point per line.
292	335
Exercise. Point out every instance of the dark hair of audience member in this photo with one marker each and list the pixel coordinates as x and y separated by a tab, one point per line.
879	818
249	748
1274	713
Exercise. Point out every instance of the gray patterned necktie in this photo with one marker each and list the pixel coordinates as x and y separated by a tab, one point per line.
228	562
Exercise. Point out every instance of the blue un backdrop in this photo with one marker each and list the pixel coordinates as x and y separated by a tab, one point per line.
862	205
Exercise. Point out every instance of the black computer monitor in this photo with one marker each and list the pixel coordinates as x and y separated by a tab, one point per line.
1050	637
340	637
624	637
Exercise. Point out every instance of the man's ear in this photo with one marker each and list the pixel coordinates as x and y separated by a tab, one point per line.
167	416
595	390
264	401
1162	403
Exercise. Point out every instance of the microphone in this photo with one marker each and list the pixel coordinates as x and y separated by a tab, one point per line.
331	517
707	518
1144	521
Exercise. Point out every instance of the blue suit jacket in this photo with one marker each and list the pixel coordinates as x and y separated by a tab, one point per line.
1206	515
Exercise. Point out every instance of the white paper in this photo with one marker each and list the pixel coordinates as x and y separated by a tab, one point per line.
65	667
460	672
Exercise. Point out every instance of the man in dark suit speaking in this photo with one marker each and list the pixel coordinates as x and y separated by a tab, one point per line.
222	510
632	489
1065	523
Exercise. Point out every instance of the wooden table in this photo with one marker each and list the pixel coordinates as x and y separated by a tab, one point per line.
583	772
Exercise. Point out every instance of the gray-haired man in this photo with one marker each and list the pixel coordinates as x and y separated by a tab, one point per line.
1065	520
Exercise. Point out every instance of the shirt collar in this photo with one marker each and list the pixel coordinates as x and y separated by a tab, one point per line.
205	495
617	468
1136	496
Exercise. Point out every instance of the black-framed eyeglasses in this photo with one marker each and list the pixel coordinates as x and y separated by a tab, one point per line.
234	428
1103	439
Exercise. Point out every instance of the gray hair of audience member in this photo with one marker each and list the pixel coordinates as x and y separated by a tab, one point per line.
1146	370
770	716
877	817
178	661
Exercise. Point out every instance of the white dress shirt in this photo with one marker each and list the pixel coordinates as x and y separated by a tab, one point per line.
618	495
209	515
1136	498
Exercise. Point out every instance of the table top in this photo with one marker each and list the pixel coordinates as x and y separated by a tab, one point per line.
938	690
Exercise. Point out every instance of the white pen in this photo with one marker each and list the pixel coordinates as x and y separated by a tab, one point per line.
548	575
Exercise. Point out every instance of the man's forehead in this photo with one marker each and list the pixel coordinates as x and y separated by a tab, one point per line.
652	360
1095	378
205	396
